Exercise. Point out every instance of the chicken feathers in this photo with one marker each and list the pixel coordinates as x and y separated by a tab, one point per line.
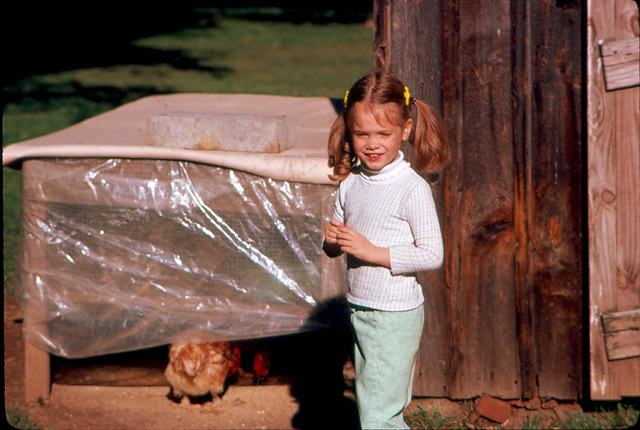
199	369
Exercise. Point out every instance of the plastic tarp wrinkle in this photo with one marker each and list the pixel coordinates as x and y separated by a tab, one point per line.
122	254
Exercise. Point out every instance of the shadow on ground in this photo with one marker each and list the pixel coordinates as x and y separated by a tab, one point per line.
319	383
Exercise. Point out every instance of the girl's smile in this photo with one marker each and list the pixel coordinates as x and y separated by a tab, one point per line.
376	140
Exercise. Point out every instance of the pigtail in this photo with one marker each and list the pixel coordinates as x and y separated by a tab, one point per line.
341	157
430	139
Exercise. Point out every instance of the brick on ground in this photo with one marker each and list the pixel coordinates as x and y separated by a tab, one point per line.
494	409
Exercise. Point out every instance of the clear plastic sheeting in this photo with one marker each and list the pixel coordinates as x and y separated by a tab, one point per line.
122	254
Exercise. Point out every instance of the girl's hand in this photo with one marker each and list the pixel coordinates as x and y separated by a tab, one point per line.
331	246
354	243
331	231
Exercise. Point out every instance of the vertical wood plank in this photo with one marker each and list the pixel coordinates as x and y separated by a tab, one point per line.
410	47
613	208
415	53
555	221
485	356
523	195
32	259
601	187
628	226
381	34
452	89
37	373
627	132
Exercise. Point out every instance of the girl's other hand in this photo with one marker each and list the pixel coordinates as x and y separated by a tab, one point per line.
355	244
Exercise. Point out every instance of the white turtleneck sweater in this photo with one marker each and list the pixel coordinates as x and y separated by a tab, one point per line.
394	209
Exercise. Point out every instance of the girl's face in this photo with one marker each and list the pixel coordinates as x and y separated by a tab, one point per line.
376	138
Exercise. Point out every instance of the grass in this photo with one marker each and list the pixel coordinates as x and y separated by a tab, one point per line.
268	55
236	56
620	417
18	418
11	228
434	419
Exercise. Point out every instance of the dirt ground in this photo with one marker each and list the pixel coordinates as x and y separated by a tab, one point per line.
309	387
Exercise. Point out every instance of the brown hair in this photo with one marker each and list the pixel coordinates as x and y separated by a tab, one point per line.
429	136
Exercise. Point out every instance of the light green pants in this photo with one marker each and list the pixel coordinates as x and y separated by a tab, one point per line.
386	344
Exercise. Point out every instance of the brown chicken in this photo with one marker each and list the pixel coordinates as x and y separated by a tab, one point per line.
197	369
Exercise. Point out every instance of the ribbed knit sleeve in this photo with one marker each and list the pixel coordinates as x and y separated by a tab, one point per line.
427	251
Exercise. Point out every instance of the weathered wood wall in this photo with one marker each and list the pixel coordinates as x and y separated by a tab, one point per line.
613	119
504	317
422	73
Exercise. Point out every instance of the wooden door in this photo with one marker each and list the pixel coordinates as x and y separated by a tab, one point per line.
613	198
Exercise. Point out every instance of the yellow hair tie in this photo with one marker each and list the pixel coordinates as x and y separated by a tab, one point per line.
407	96
346	97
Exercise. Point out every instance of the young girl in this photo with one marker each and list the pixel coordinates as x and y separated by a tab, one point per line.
385	221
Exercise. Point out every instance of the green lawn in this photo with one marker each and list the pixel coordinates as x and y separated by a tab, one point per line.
258	56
